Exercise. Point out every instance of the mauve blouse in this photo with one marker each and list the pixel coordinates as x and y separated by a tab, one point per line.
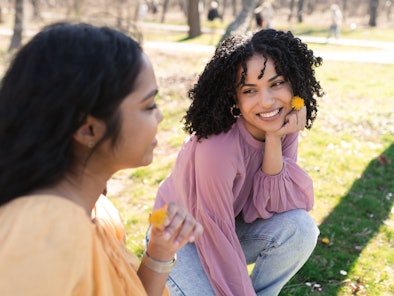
219	178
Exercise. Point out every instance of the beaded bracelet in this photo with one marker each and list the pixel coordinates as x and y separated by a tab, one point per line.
157	266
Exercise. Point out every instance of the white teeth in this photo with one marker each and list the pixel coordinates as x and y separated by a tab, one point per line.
270	114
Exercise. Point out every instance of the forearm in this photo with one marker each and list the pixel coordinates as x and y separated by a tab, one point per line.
153	282
273	159
153	271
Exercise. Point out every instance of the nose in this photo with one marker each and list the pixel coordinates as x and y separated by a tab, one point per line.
159	116
267	99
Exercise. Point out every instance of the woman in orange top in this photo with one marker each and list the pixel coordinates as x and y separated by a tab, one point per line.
77	104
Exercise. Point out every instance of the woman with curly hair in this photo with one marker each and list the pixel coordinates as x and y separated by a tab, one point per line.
77	104
237	172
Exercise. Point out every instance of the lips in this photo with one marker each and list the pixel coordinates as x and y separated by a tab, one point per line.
269	114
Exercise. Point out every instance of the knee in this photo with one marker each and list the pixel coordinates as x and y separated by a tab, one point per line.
306	231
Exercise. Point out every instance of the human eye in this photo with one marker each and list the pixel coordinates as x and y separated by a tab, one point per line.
152	106
248	91
278	82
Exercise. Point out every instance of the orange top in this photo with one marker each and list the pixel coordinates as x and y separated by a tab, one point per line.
49	246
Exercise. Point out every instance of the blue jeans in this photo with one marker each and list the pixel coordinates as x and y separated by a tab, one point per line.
278	246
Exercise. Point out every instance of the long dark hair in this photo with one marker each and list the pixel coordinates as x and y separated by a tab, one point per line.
213	95
63	74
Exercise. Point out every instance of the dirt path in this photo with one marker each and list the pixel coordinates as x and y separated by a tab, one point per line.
379	52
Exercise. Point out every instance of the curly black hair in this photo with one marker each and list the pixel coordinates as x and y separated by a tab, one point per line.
213	95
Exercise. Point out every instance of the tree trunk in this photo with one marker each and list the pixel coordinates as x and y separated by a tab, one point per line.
36	9
78	7
193	19
388	6
16	39
300	11
119	14
163	15
373	12
291	11
242	21
223	10
344	10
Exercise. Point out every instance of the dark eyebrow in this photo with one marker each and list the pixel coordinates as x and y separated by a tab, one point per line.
246	85
251	84
149	95
274	77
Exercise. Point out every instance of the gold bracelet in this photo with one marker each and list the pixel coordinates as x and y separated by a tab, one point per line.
157	266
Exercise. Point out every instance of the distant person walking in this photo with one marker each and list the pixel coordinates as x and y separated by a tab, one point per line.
264	15
213	17
258	16
336	22
213	12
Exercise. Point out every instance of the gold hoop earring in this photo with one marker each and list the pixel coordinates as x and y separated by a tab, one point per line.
90	145
235	112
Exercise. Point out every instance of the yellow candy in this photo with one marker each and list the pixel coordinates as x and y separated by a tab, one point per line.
297	103
158	217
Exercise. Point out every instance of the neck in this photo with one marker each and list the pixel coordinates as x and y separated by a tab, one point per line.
83	190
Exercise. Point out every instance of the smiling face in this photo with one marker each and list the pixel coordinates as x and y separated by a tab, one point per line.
265	102
140	118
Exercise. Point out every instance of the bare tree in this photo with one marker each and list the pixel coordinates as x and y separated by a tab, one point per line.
300	11
344	9
36	9
373	12
193	19
242	21
16	39
234	4
223	10
291	11
165	6
387	7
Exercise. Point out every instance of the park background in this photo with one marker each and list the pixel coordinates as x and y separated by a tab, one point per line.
349	152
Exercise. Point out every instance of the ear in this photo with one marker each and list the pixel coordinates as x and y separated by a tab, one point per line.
89	133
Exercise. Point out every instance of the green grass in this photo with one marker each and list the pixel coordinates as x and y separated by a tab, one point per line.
354	191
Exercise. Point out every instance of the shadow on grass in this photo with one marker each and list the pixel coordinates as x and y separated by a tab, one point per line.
184	39
349	227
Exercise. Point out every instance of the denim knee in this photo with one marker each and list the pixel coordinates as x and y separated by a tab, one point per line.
306	231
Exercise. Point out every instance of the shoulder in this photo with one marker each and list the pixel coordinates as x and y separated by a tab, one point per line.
222	145
45	235
47	221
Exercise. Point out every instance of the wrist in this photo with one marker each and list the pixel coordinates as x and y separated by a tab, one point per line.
156	265
272	138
